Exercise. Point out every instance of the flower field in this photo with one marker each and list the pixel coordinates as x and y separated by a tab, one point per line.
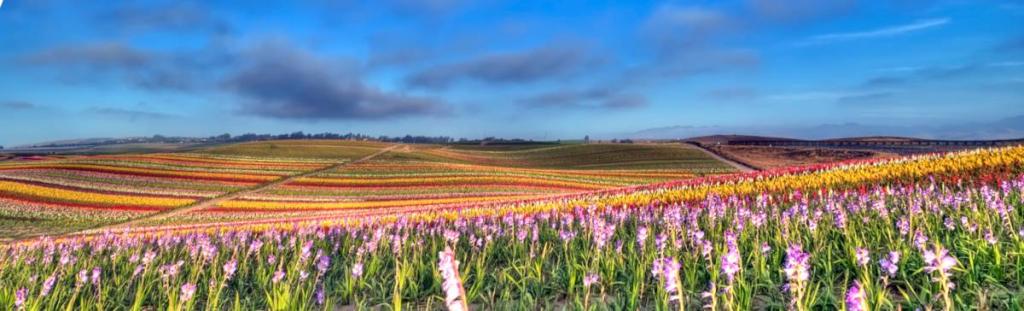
98	189
939	232
91	191
381	185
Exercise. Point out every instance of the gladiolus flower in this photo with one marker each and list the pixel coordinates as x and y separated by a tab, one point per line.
278	276
590	279
19	297
890	265
863	256
452	285
855	298
187	291
229	268
357	269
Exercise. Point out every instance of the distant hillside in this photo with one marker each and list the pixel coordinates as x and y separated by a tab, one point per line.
875	138
723	139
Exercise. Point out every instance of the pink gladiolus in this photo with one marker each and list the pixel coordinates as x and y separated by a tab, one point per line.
187	291
590	279
855	298
863	256
668	269
19	297
278	276
229	269
357	269
452	286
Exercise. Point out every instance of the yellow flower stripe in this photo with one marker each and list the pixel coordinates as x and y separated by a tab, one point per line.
88	197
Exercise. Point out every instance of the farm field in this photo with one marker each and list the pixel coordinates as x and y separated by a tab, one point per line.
764	157
935	231
66	194
71	193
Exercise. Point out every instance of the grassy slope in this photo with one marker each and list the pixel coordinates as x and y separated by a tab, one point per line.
588	156
320	149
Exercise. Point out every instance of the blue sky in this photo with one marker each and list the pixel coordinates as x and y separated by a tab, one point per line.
530	69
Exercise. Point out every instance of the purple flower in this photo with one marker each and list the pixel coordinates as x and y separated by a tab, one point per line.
904	225
602	232
306	251
566	235
19	297
138	269
323	263
187	291
229	269
278	276
920	240
855	298
452	236
590	279
255	245
83	277
641	236
357	269
765	248
863	256
990	237
668	269
797	264
320	295
96	272
148	257
660	240
938	261
891	264
48	285
731	262
948	222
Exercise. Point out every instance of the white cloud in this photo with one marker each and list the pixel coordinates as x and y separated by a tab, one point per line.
877	33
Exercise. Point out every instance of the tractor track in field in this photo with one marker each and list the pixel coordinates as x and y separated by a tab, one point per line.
211	202
743	168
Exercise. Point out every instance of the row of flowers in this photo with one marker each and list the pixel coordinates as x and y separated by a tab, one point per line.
130	182
374	185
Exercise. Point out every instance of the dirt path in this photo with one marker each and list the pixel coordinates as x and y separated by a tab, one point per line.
211	202
739	166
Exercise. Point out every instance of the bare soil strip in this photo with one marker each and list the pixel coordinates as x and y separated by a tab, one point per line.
739	166
211	202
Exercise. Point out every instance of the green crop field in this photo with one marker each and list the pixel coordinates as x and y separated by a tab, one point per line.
320	149
591	156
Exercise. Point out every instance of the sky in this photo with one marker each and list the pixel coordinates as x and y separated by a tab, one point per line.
526	69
